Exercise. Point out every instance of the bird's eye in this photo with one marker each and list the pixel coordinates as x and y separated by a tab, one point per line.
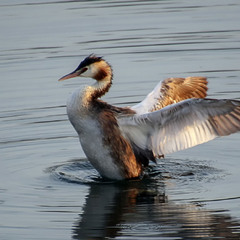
84	70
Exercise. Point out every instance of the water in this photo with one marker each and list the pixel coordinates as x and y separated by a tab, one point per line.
48	190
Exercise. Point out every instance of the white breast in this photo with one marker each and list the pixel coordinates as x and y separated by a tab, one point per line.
91	137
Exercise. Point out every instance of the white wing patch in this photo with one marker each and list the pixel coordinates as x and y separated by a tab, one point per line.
182	125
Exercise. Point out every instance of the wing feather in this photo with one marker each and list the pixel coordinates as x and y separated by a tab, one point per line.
172	90
182	125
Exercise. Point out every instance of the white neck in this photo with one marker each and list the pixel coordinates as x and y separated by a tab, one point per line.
83	98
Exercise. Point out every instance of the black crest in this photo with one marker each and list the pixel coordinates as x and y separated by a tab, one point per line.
89	60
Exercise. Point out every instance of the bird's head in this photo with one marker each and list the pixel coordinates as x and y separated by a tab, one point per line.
91	67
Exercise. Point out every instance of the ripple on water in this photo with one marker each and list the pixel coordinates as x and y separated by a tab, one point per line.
75	171
81	171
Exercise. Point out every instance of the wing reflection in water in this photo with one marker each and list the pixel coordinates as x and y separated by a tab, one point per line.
140	209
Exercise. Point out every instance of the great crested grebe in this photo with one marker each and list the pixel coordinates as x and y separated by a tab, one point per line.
119	142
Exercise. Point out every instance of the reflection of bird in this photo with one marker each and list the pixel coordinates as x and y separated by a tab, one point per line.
136	209
119	142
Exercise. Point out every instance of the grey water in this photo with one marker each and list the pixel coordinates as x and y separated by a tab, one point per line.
48	189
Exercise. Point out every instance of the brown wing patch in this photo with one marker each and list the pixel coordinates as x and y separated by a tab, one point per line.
120	149
228	123
101	105
174	90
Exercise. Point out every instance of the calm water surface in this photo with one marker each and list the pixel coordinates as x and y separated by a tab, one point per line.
48	190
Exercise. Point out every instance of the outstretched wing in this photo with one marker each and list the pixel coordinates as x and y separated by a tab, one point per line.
172	90
182	125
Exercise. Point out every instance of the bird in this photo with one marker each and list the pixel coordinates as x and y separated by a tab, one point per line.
121	141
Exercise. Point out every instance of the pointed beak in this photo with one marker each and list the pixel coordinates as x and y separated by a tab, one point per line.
75	73
70	75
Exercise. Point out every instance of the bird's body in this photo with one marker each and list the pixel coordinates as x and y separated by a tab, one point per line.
100	137
119	142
